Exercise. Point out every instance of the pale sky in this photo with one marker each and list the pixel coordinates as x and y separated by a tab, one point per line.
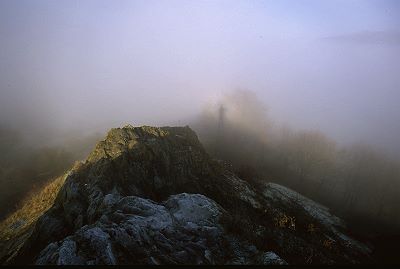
330	65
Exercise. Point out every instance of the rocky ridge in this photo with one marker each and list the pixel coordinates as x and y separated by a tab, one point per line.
148	195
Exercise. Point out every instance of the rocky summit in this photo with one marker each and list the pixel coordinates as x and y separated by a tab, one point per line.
148	195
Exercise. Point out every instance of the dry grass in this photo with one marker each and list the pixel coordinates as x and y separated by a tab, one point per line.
285	221
328	243
34	206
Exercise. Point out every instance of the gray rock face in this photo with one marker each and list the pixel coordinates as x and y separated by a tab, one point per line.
330	229
321	214
183	229
270	258
60	254
149	195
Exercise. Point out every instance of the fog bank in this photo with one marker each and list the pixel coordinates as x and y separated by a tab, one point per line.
87	66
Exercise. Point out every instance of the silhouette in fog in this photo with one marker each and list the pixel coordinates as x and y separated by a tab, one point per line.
220	131
221	116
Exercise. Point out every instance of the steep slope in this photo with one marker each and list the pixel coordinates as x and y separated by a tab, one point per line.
152	195
19	224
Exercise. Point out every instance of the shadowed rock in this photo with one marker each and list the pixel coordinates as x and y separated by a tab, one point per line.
148	195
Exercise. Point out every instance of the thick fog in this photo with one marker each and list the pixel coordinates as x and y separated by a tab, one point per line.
87	66
301	93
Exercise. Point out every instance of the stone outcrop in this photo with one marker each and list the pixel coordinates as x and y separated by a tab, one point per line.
148	195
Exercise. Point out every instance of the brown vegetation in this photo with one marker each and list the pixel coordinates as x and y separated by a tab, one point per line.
34	206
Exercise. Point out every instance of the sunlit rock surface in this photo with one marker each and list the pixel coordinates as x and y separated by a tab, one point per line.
148	195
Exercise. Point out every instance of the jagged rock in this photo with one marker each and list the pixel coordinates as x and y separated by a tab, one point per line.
183	229
330	229
148	195
270	258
